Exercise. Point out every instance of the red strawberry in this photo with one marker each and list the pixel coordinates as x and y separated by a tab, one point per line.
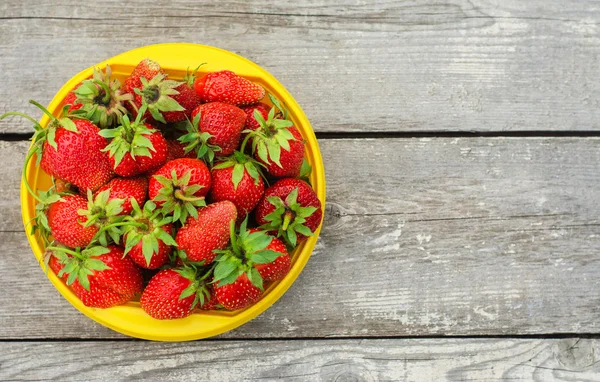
239	294
101	277
240	268
238	180
65	223
290	208
251	122
145	69
135	147
226	86
179	187
100	99
278	268
173	293
207	232
126	188
60	186
187	98
70	150
223	122
148	239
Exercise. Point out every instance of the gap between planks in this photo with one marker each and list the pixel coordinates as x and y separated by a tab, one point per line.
15	137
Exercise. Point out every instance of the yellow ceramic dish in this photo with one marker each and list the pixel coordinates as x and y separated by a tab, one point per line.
130	319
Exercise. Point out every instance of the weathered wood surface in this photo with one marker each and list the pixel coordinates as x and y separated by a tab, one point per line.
450	65
432	360
440	236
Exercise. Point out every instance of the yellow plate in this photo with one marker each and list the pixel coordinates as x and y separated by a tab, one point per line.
130	319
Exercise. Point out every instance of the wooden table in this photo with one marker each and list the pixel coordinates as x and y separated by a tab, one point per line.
462	230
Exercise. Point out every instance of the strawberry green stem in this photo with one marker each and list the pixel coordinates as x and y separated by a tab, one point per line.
106	91
181	196
243	146
52	118
24	176
70	252
287	218
36	123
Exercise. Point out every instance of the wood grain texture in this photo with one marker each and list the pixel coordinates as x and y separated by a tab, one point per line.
449	65
434	237
569	359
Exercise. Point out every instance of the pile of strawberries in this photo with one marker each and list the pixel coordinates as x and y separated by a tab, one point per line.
161	191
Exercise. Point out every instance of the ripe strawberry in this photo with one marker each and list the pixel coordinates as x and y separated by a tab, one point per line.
145	69
278	145
65	223
217	124
99	99
237	179
174	293
251	122
100	276
278	268
70	150
179	187
226	86
239	294
187	98
207	232
240	268
290	208
148	239
135	147
125	189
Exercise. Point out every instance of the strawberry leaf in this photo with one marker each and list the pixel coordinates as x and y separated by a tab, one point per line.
255	278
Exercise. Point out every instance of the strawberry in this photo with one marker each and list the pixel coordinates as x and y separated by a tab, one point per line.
65	223
145	69
206	232
278	144
215	124
239	294
125	189
239	180
179	187
135	147
251	122
187	98
69	149
100	276
100	99
148	239
174	293
290	208
278	268
226	86
241	266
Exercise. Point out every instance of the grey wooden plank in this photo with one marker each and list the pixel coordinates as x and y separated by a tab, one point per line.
449	65
439	236
422	360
